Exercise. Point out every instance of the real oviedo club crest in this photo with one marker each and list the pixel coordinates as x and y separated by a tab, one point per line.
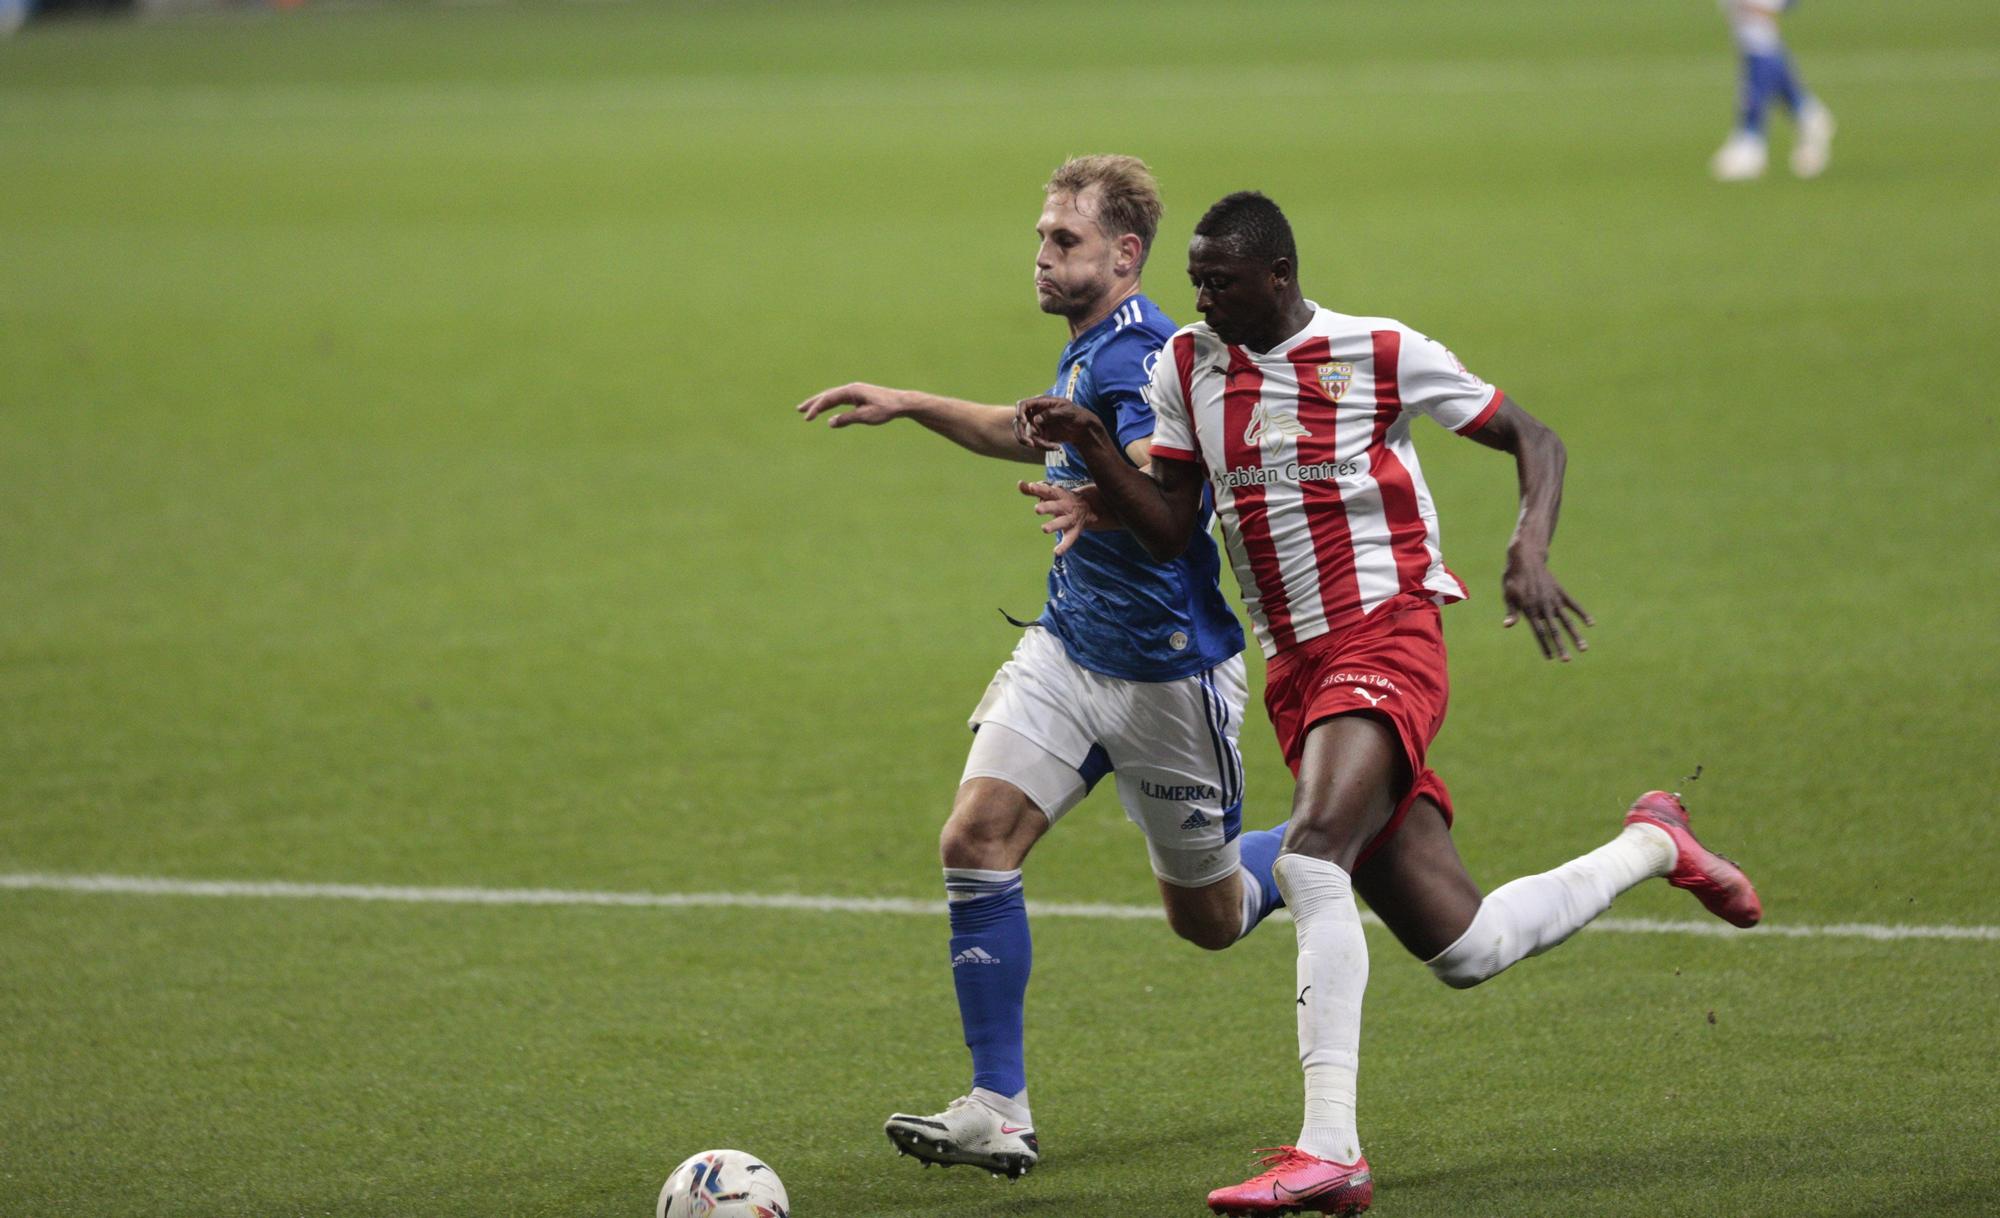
1335	378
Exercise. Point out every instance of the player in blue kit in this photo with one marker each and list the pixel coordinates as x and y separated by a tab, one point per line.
1134	668
1766	72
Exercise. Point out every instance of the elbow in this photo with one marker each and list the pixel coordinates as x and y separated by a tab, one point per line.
1165	550
1176	540
1546	446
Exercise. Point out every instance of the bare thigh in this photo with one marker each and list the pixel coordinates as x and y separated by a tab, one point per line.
1350	778
1418	885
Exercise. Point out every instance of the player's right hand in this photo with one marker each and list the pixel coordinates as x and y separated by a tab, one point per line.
871	405
1050	422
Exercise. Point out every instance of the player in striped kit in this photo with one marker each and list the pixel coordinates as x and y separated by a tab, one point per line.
1133	668
1299	418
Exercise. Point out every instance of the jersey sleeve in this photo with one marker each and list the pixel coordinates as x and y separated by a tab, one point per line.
1173	437
1119	375
1433	382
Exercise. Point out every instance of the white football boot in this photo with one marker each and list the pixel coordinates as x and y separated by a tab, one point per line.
969	1131
1812	145
1741	158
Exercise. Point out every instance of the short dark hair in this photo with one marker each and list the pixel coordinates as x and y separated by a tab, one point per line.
1252	226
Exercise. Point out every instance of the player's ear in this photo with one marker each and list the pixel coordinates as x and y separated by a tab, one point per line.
1281	271
1131	255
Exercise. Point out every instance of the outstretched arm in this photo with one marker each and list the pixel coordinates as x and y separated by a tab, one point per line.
1157	505
1530	588
986	430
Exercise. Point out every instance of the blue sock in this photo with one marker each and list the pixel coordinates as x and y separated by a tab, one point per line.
1760	76
1258	851
1785	82
991	955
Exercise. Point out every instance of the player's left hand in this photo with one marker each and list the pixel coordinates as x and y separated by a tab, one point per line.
1531	592
1048	423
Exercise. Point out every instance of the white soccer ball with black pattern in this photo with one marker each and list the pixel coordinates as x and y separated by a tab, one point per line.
724	1184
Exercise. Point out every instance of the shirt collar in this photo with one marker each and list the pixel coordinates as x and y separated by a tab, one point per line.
1108	323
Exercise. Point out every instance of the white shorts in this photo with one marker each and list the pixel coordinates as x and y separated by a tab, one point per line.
1052	728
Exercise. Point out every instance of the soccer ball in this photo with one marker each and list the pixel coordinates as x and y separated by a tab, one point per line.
724	1184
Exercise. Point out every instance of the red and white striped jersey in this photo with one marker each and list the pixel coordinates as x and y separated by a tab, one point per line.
1323	504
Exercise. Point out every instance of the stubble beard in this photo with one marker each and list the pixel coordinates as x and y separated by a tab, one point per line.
1069	306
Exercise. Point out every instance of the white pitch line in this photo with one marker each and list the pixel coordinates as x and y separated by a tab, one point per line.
671	91
152	886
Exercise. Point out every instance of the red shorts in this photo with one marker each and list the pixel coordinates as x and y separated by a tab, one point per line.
1389	665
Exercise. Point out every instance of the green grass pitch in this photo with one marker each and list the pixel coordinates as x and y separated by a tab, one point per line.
399	485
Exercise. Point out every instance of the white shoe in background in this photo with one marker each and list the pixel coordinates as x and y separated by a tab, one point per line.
1741	158
1812	146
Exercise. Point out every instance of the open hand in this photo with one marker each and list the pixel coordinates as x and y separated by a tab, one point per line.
1070	512
1531	592
872	405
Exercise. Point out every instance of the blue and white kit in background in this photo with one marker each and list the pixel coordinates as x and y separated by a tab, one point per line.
1135	666
1767	68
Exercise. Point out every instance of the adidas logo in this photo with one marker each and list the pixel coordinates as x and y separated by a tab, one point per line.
974	955
1195	820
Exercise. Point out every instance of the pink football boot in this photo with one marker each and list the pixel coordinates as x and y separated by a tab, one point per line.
1294	1182
1717	883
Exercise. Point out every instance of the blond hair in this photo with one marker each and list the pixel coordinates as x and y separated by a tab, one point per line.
1128	199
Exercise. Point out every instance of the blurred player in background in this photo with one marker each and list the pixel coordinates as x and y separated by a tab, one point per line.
1134	666
1299	420
1766	73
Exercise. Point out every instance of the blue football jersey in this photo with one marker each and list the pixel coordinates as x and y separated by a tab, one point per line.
1116	610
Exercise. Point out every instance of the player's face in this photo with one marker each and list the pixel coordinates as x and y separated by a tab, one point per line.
1238	296
1073	267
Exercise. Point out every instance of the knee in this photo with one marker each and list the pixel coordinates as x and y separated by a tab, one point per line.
1334	831
1209	925
1458	974
1322	835
1478	955
972	844
987	835
1208	934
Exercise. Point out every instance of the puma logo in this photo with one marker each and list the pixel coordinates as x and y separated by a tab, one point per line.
1373	700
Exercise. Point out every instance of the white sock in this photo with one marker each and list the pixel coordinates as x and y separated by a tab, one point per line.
1528	916
1333	973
